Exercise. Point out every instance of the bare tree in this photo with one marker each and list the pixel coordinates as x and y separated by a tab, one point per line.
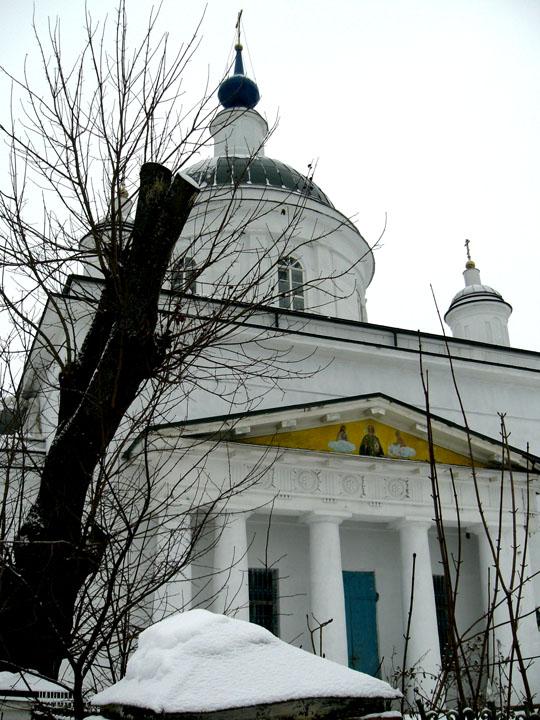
484	663
94	364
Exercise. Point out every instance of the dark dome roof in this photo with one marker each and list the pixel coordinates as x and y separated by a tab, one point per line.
260	171
238	91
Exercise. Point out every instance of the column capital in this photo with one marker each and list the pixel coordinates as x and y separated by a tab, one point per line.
408	523
327	516
493	528
177	520
234	512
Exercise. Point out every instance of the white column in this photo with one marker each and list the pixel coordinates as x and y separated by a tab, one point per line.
534	546
173	545
501	641
423	647
327	600
231	588
533	596
501	637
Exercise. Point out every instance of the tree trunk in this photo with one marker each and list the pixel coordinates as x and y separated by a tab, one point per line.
39	583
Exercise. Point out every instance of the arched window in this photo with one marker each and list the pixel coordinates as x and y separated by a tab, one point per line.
290	284
183	276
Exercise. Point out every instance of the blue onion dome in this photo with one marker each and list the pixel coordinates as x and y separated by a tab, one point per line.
238	91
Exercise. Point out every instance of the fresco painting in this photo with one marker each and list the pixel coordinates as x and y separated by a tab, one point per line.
368	438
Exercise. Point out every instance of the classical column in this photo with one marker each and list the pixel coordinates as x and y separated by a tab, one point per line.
533	595
501	641
231	588
173	545
327	600
423	647
511	550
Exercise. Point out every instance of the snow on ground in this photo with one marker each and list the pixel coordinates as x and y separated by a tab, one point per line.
198	661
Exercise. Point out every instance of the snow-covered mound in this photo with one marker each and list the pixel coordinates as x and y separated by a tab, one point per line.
198	661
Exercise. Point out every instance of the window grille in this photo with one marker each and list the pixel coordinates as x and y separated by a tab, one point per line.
443	616
290	284
264	598
184	275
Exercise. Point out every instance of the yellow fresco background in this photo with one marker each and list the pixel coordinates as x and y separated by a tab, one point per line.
318	438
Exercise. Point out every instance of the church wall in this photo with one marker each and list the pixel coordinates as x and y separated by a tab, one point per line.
482	321
202	571
288	552
281	223
469	600
335	362
334	372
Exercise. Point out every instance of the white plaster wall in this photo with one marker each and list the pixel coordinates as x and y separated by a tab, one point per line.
202	570
288	552
481	321
238	131
337	261
469	609
322	369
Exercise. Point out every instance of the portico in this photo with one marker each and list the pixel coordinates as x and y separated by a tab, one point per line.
310	554
325	534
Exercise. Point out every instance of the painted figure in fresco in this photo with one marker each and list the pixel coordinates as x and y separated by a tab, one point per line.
341	443
399	448
371	445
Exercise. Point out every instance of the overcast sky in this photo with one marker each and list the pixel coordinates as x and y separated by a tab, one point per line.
427	110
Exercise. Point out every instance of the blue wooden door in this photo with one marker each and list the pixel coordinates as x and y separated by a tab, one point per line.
361	615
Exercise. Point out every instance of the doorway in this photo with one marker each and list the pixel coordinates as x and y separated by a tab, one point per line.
361	617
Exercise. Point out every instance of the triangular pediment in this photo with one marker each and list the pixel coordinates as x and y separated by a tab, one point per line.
376	426
366	436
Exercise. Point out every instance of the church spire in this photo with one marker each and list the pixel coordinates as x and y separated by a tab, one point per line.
238	91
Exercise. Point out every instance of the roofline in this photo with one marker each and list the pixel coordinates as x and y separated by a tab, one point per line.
334	401
274	310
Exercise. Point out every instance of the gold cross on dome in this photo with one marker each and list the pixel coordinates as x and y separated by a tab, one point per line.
238	25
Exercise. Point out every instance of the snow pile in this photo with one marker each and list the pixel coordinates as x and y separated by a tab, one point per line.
198	661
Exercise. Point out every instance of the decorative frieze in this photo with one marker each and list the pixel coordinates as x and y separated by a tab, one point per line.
397	489
267	480
353	485
376	487
306	481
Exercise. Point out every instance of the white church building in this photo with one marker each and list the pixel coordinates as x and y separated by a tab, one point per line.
335	432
